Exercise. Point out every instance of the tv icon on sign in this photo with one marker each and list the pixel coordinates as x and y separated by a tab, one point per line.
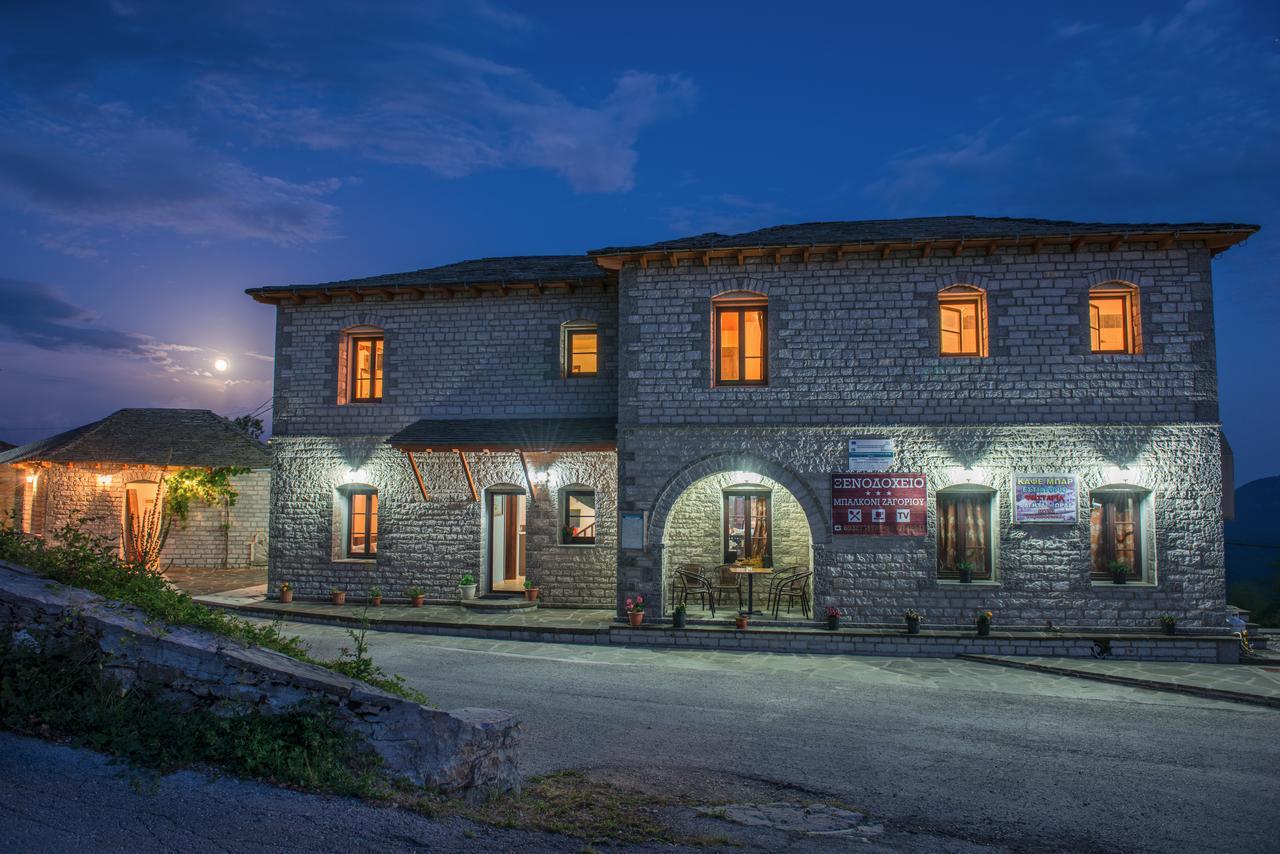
904	516
877	515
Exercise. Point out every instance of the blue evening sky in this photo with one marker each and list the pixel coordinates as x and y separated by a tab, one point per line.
157	158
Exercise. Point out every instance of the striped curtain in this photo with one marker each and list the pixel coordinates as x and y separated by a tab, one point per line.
963	530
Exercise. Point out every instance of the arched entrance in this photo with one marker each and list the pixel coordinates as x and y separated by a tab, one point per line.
737	534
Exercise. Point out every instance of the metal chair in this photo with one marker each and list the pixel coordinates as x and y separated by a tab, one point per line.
773	579
729	581
679	589
795	586
696	585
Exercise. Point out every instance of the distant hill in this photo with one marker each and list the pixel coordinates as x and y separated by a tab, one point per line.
1257	522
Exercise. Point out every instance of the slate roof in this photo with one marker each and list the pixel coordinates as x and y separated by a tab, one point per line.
515	268
526	434
918	230
178	437
4	446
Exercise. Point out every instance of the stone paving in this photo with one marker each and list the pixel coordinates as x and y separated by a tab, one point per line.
205	580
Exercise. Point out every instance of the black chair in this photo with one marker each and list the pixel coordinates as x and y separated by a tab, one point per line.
695	585
773	579
793	587
728	582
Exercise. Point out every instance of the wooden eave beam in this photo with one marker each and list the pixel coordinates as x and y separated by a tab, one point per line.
1077	244
958	249
422	487
991	248
466	469
1114	245
528	481
927	249
706	260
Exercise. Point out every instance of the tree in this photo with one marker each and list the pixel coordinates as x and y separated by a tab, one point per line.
174	495
250	425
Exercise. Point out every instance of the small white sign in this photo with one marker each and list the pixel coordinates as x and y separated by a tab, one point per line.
871	454
904	515
877	515
631	529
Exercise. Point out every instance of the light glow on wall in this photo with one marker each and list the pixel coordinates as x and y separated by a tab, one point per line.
1122	474
967	474
356	476
31	479
104	480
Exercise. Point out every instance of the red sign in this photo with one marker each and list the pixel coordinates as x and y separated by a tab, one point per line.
878	504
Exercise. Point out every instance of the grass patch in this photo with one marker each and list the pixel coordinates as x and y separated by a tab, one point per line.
82	559
64	696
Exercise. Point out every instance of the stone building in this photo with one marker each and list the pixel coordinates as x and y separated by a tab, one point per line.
947	414
104	477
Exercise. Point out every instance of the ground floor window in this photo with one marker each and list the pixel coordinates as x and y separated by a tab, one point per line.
1115	533
362	522
747	532
964	533
578	527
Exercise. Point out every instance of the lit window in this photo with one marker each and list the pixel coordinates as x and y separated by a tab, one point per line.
964	533
581	351
362	523
747	534
1115	533
366	368
963	321
741	342
1113	320
579	523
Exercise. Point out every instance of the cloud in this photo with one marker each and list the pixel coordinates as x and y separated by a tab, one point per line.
34	314
726	213
500	15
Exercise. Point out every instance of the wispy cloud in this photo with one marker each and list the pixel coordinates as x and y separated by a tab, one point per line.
725	213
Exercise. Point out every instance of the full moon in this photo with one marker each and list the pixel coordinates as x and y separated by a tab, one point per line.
220	364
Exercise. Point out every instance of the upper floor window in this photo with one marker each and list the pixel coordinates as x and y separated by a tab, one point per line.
1113	319
962	319
581	348
362	522
578	525
741	340
366	368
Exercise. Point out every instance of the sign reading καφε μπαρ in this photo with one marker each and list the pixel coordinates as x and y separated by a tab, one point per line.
871	454
1044	499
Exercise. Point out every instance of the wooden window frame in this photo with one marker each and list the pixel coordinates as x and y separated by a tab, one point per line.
1126	298
987	570
725	497
1138	569
567	539
965	295
370	514
571	332
741	307
379	349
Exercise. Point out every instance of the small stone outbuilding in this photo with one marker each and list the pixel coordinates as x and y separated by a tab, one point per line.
104	476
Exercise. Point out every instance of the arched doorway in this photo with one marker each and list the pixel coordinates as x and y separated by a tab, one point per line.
738	540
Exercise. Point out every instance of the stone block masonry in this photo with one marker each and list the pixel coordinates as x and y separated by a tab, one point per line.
467	752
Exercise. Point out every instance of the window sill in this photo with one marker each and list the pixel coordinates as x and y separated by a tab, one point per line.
1143	584
368	560
576	545
947	582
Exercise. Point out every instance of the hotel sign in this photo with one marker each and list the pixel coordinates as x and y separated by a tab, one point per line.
1045	499
871	454
878	504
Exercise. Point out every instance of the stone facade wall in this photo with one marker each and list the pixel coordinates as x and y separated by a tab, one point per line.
857	341
484	356
469	752
1042	573
211	536
430	544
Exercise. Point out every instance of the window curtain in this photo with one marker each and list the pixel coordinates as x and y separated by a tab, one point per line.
963	530
1114	533
759	527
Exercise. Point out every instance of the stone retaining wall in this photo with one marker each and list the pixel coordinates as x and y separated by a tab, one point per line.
470	752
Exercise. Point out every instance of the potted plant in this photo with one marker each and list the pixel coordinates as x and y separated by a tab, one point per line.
678	616
286	593
965	569
416	595
1119	571
530	592
741	621
1169	624
375	596
337	597
467	584
913	617
833	618
984	623
635	611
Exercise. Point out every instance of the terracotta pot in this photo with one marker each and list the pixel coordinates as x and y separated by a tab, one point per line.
984	629
636	618
339	598
286	596
376	601
418	600
741	623
531	594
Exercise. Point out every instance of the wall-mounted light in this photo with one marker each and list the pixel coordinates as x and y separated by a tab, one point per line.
540	477
31	479
1122	474
104	480
967	474
356	476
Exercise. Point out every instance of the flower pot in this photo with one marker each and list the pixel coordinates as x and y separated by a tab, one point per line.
375	601
1119	577
913	627
966	576
741	623
833	622
678	619
339	597
636	618
984	629
286	596
1169	628
418	600
468	591
531	594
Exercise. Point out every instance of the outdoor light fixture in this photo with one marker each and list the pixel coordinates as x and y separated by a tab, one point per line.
1122	474
356	476
967	474
31	479
540	477
104	480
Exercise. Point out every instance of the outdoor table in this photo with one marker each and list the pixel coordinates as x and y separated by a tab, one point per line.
751	572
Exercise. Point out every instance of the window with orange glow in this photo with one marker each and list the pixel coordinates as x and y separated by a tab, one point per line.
962	321
1111	321
366	369
582	352
362	523
741	343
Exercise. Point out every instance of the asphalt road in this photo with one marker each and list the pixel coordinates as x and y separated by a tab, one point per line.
966	750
